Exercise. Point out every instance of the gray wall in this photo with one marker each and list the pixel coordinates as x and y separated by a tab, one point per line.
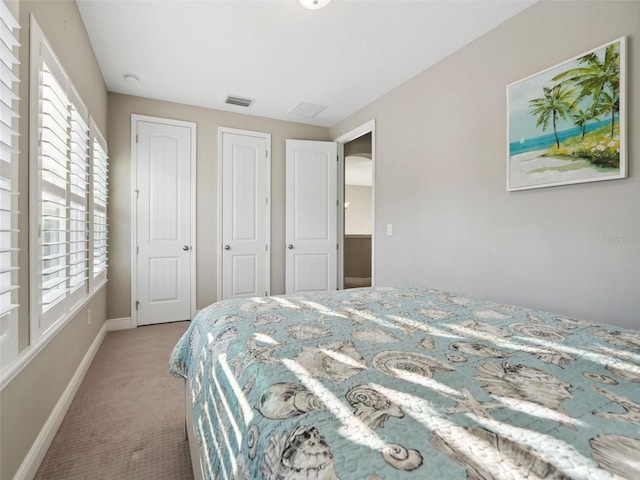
120	109
440	177
358	145
357	218
28	400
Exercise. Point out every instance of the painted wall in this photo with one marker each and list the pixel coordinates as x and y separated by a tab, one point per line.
440	177
28	400
359	145
357	258
120	109
357	217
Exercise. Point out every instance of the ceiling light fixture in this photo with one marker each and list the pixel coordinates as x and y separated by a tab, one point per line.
314	4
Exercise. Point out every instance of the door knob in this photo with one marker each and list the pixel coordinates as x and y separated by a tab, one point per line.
185	247
289	246
227	247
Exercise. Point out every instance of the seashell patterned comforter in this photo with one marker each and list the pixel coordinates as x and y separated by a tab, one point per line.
409	383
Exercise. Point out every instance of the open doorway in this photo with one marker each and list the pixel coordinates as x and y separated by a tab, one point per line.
358	212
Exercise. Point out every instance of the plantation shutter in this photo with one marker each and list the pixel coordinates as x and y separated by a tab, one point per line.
78	198
8	186
65	168
99	177
55	171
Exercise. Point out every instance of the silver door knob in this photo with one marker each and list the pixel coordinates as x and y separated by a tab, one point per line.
289	246
185	247
227	247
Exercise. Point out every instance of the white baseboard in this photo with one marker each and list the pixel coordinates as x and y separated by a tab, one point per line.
118	324
32	461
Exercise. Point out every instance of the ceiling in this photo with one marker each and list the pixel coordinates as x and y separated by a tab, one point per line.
276	52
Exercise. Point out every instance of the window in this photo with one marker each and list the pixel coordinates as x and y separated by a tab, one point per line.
65	186
99	175
8	186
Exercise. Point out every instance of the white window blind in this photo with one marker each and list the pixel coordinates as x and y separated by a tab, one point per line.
79	197
99	196
8	186
54	173
63	201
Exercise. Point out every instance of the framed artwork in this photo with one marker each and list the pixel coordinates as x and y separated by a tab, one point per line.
567	124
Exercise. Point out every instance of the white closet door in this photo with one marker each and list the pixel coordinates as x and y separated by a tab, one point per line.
245	213
311	216
164	243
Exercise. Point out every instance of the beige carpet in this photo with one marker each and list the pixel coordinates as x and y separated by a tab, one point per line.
127	419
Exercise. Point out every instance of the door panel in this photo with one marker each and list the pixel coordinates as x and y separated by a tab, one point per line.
311	216
311	210
163	171
245	214
163	228
245	268
163	280
311	272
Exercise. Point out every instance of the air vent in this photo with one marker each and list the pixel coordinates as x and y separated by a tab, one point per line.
307	110
239	101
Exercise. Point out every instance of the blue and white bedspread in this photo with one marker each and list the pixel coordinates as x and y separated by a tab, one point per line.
408	383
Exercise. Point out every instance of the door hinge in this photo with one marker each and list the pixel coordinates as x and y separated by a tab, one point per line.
266	248
137	305
136	138
137	194
137	250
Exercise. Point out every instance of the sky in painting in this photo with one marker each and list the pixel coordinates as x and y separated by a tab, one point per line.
521	122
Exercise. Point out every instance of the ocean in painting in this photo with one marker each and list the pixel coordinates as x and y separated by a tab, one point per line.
545	141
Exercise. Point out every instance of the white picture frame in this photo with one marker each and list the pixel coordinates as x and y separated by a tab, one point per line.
567	124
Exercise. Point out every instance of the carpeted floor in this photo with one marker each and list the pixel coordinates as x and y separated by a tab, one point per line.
127	419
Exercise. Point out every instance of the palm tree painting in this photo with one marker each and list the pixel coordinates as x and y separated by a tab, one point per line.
566	124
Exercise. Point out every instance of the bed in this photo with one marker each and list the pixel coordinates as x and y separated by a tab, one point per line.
407	383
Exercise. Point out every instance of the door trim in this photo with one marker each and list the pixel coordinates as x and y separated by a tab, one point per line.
357	132
267	138
135	118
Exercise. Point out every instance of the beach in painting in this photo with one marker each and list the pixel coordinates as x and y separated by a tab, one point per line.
532	168
531	161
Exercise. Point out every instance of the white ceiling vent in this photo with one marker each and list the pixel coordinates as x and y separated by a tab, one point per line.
307	110
239	101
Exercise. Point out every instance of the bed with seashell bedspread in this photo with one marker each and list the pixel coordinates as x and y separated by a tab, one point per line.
394	383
